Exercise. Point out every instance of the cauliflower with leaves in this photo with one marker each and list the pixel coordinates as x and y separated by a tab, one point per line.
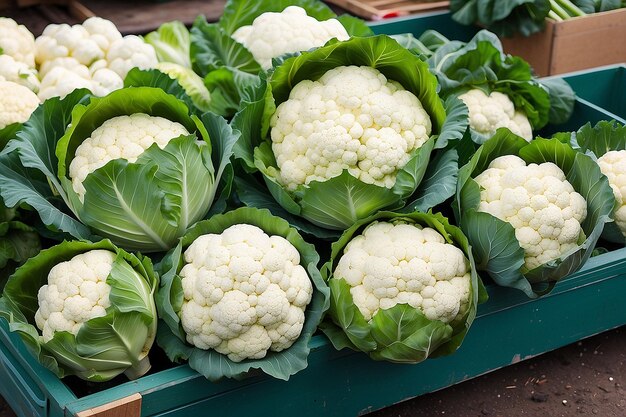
538	201
352	118
488	113
245	293
85	309
274	34
241	291
403	287
404	263
18	72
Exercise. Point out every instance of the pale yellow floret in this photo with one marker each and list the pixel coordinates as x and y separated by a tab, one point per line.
17	103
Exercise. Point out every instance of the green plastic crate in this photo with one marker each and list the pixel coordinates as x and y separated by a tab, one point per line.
603	87
509	328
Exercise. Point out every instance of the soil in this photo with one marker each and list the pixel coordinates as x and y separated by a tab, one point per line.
587	378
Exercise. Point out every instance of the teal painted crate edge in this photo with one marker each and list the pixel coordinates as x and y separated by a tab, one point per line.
180	387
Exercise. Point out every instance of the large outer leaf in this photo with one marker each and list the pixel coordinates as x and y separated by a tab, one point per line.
495	247
28	166
171	43
148	204
402	333
214	365
504	17
104	347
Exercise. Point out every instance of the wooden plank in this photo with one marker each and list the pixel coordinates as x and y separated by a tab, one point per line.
378	9
124	407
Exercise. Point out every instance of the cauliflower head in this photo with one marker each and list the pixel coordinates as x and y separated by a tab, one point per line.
292	30
613	165
245	293
129	52
352	118
538	201
85	43
18	72
488	113
124	137
403	263
17	42
76	292
17	103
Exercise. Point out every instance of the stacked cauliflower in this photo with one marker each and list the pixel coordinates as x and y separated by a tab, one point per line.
75	293
613	165
292	30
352	118
93	55
488	113
124	137
244	293
538	202
401	263
18	76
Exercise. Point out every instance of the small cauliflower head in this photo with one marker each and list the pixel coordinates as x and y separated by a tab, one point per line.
245	293
85	43
292	30
402	263
18	72
613	165
17	42
125	137
129	52
76	292
488	113
538	201
17	103
352	118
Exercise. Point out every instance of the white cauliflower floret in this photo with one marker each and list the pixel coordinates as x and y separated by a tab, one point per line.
245	293
18	72
613	165
488	113
130	52
124	137
392	264
60	81
352	118
292	30
538	201
17	103
75	293
17	42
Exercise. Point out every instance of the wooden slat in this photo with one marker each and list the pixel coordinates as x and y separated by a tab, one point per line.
125	407
377	9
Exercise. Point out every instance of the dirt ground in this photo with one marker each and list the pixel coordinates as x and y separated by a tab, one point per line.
587	378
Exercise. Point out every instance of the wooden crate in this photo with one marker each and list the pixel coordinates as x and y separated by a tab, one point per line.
380	9
574	44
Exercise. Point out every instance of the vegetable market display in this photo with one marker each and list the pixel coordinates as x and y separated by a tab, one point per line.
228	193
